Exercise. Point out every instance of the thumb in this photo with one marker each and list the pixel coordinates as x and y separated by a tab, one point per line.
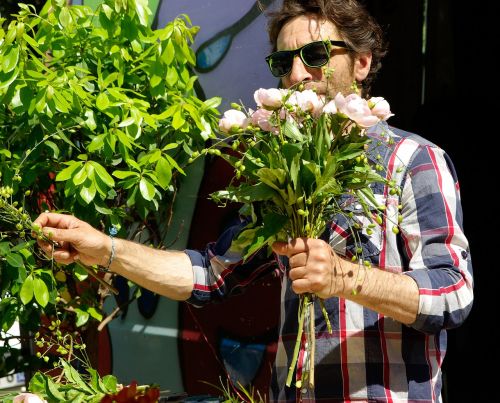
280	248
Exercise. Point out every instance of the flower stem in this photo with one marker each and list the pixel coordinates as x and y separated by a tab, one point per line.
303	301
325	314
312	341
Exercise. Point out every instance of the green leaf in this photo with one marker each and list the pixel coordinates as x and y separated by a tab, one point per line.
65	17
96	382
155	81
23	246
5	152
97	143
169	53
53	391
110	383
246	193
142	11
10	59
14	260
94	313
163	172
103	174
124	174
102	209
274	178
53	146
61	103
41	291
294	173
67	172
4	248
26	293
213	102
127	122
65	138
38	382
173	163
7	79
72	374
108	11
90	121
291	131
32	42
82	317
102	101
80	273
81	176
272	225
172	76
350	151
147	189
88	192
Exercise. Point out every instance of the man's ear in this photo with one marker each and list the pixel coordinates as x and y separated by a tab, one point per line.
362	63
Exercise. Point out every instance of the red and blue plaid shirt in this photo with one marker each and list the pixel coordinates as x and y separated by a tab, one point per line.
369	356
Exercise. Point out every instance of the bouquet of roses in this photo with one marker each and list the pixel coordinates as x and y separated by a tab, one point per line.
293	159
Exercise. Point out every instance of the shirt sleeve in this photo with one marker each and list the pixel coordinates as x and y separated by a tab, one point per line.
219	269
434	241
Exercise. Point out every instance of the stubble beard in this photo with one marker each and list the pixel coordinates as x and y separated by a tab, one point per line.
342	83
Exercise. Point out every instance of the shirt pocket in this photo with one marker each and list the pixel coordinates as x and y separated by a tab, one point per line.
345	236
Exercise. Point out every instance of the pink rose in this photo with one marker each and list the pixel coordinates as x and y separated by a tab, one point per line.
330	107
261	118
268	98
380	108
231	120
307	101
356	109
28	398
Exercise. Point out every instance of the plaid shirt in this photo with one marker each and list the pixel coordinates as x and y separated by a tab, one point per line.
369	356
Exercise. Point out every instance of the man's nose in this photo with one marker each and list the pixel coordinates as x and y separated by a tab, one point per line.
299	71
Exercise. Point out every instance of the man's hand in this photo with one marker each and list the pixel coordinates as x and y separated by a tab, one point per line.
75	240
315	268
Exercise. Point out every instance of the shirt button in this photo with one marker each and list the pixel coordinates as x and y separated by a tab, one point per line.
464	254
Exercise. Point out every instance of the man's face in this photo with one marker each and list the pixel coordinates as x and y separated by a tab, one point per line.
305	29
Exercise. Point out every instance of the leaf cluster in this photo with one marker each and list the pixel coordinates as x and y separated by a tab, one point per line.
291	181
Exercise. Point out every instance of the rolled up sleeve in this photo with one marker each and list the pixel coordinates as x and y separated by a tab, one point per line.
437	249
219	270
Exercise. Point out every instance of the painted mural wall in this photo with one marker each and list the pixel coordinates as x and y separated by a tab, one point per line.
230	49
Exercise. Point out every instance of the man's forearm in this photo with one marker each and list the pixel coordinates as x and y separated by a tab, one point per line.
168	273
394	295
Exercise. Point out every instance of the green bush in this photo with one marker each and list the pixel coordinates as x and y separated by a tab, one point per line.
98	117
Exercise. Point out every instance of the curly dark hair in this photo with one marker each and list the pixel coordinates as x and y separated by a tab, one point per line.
356	26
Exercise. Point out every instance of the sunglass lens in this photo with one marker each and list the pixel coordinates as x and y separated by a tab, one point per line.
281	63
315	54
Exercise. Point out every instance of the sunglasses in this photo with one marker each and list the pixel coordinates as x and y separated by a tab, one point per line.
313	54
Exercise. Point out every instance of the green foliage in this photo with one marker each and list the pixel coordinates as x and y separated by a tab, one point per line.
98	117
104	102
294	180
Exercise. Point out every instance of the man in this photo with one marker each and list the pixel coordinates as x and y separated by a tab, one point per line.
389	321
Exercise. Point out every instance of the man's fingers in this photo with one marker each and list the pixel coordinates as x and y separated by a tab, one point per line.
297	273
293	247
300	259
64	256
56	220
301	286
60	235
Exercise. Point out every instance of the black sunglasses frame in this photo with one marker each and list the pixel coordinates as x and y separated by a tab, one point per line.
293	53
